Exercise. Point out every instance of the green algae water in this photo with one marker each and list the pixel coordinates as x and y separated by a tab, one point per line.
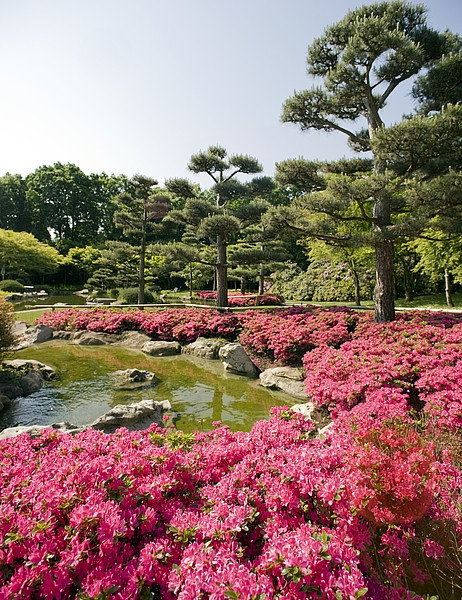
199	390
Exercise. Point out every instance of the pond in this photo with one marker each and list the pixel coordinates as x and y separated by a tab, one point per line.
199	390
32	301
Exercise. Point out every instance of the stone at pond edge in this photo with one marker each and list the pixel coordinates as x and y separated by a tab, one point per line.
133	339
30	377
235	360
35	334
94	338
161	348
134	417
208	348
133	379
286	379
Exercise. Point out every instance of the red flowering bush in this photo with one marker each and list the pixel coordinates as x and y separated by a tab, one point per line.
271	514
286	335
237	299
371	510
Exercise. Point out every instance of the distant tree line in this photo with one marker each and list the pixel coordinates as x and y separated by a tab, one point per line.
385	223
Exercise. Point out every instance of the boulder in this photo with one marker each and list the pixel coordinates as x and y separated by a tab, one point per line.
94	338
134	417
32	335
131	379
235	360
161	348
286	379
320	416
19	364
133	339
204	348
36	430
31	382
63	335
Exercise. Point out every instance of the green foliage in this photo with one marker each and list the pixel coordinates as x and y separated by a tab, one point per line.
7	337
23	255
11	285
130	296
323	281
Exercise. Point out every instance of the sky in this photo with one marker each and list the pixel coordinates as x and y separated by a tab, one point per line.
138	86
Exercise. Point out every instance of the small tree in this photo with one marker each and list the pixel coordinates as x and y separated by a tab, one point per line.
219	216
141	210
7	337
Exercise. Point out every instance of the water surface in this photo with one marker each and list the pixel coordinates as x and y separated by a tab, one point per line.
199	390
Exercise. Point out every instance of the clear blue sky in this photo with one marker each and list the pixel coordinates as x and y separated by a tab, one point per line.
138	86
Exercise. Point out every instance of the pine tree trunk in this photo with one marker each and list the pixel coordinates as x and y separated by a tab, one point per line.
447	288
222	273
243	282
384	292
384	297
357	288
141	271
261	281
190	281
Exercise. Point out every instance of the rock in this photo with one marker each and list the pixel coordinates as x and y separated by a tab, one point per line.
36	430
63	335
161	348
235	360
31	382
133	379
4	401
133	339
204	348
319	416
19	364
286	379
95	338
134	417
33	335
10	390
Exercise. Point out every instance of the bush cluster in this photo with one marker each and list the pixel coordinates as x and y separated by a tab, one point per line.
246	299
371	510
11	285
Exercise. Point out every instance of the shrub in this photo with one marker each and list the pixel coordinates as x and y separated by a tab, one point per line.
11	285
7	337
130	296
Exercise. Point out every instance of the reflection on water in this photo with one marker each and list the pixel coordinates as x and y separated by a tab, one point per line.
199	391
31	301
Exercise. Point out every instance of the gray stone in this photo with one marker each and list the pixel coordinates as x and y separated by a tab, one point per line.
36	430
131	379
161	348
95	338
133	339
19	364
4	401
134	417
204	348
63	335
286	379
31	382
320	416
32	335
11	390
235	360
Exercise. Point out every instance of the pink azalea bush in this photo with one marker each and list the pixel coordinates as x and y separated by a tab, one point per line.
270	514
237	299
370	510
